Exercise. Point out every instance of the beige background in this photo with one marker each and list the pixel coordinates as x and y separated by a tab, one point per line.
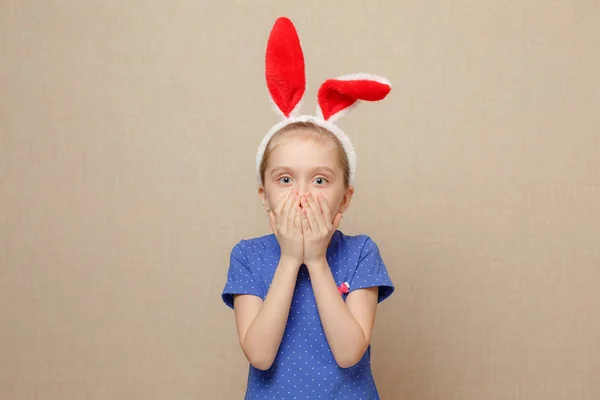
127	140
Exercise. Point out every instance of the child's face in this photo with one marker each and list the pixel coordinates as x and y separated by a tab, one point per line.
309	163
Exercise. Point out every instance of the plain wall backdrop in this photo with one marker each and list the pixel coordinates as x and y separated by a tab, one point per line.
128	132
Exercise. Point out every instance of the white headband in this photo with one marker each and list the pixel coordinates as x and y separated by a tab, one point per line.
286	83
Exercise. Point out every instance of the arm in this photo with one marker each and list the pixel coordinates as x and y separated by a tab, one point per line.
261	324
347	325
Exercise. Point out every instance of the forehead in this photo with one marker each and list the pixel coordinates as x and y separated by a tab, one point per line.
303	147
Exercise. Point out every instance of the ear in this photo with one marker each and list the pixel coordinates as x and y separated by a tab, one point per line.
263	197
346	199
284	70
337	96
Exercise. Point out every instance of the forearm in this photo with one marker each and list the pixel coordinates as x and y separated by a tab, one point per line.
263	337
343	332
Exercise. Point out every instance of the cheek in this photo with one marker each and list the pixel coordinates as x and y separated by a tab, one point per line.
334	206
274	196
333	198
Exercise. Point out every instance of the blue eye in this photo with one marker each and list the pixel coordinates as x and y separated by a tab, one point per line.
320	181
285	180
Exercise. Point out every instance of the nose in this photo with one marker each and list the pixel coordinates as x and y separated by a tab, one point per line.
302	189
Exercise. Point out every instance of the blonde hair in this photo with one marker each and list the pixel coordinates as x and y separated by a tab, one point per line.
310	126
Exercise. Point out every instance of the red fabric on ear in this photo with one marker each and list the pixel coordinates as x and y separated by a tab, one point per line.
284	70
336	95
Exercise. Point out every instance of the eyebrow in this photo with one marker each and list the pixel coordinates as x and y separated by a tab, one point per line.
279	169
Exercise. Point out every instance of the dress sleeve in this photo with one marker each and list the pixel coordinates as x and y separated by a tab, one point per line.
240	278
371	271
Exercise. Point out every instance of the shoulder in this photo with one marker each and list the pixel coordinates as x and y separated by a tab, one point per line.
360	242
257	244
260	250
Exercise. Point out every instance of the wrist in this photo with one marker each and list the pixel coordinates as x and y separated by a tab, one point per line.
317	263
290	262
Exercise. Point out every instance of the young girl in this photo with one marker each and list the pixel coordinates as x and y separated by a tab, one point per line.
305	296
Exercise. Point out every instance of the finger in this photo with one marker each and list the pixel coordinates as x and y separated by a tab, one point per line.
286	209
291	215
326	210
313	226
305	224
298	220
282	202
312	220
292	211
316	210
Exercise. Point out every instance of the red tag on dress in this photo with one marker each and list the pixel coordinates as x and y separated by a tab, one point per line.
344	288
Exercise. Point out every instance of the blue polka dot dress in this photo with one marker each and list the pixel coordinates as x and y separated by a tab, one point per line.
304	367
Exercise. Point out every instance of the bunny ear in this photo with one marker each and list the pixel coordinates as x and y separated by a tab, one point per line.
336	96
285	67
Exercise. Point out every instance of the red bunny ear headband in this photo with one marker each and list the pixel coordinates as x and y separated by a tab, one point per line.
286	83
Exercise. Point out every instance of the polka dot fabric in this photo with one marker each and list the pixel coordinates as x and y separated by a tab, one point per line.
304	367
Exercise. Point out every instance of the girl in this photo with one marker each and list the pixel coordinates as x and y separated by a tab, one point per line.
305	296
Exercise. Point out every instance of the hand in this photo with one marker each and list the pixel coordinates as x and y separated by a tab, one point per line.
287	227
317	227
